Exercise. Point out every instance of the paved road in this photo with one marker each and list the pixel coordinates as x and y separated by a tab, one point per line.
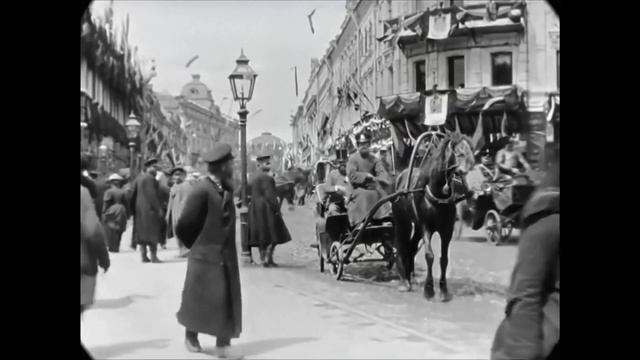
296	312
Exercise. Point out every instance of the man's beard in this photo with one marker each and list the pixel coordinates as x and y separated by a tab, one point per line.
227	183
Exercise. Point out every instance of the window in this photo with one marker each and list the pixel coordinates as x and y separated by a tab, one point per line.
420	71
558	68
456	72
501	68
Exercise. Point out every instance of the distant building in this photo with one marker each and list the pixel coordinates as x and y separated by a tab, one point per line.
267	144
201	119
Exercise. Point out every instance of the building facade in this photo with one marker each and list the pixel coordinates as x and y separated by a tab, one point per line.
201	120
391	47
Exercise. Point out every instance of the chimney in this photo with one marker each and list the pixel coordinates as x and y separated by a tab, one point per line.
196	77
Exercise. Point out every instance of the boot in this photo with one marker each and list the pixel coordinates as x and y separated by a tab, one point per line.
270	251
154	254
143	252
191	342
264	259
247	259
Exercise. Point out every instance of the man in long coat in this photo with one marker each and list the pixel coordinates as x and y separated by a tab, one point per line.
531	328
115	212
266	226
147	211
179	192
211	298
367	176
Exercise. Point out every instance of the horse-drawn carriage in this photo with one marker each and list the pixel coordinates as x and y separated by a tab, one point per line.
433	157
498	197
340	243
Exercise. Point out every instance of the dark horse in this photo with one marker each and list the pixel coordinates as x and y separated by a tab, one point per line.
431	210
287	182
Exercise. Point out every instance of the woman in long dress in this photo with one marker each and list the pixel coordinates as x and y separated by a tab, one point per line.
114	212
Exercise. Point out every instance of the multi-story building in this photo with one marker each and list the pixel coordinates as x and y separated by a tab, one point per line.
201	119
111	87
266	144
470	47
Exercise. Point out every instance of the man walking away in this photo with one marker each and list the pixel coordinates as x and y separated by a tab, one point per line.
115	212
266	226
147	211
211	298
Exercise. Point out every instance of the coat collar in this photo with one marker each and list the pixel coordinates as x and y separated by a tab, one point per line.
215	184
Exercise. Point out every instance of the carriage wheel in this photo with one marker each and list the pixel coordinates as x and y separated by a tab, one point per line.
507	229
493	227
340	270
334	257
319	242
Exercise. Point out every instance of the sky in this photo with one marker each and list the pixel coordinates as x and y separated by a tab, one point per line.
275	36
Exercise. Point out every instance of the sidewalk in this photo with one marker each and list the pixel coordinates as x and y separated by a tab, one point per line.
134	318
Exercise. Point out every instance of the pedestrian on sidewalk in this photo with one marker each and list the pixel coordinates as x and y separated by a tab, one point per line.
531	329
115	212
177	195
266	225
147	211
211	298
93	249
165	191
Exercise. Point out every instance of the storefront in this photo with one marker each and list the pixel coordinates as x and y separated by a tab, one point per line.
485	115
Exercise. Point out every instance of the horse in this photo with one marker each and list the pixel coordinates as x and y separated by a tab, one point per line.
431	210
287	183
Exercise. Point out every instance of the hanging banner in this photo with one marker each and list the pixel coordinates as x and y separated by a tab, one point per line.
439	26
436	110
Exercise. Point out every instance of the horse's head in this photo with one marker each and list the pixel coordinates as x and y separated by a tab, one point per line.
454	155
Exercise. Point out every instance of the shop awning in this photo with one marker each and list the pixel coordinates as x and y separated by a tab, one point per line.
401	106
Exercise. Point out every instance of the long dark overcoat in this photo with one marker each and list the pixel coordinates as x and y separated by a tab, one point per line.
266	226
147	211
93	248
211	298
531	328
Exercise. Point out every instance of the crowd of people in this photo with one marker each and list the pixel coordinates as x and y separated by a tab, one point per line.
199	211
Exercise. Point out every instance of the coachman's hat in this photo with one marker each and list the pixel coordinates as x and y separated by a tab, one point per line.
363	138
177	168
220	152
115	177
151	161
263	157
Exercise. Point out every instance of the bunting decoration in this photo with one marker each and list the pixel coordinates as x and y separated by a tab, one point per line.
477	139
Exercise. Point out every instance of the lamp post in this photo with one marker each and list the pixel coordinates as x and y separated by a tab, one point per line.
83	125
243	80
133	128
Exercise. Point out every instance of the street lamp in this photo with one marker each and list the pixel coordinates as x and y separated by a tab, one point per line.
243	80
133	129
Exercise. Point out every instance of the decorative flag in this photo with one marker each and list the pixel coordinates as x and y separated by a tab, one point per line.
295	77
192	60
478	136
310	21
439	26
503	125
435	109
